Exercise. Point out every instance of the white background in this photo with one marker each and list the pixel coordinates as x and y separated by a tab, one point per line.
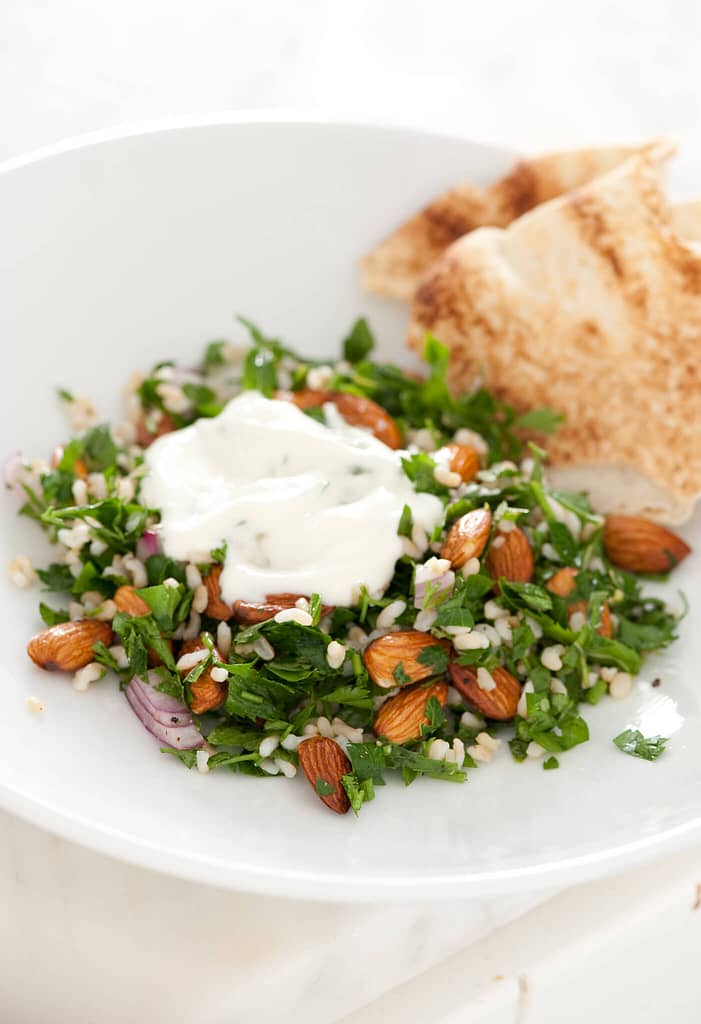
531	75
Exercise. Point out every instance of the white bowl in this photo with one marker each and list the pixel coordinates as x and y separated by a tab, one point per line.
119	250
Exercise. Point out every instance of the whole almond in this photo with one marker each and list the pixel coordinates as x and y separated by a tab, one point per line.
562	582
464	460
499	703
384	656
325	764
127	600
216	608
251	612
400	718
510	556
356	410
638	545
69	645
467	537
207	693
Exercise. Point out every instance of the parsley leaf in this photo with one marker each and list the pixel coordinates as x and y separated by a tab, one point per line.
52	616
436	717
420	469
169	605
56	577
358	792
400	675
359	343
203	399
323	787
544	420
100	451
213	356
259	372
368	762
435	657
406	522
632	742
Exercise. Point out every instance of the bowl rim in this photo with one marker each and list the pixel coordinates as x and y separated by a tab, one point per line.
244	116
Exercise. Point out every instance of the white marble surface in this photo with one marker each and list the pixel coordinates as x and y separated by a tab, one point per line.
106	942
86	938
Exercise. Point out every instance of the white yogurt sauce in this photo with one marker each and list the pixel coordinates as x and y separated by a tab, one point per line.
303	507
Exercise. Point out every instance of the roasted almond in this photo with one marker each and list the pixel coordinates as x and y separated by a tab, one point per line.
400	718
152	425
562	582
206	692
638	545
467	537
325	764
250	612
127	600
397	659
356	410
510	556
463	460
496	694
216	608
69	645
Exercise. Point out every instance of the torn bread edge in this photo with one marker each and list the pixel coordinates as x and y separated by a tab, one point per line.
395	266
462	317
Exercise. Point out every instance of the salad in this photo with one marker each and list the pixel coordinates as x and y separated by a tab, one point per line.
508	609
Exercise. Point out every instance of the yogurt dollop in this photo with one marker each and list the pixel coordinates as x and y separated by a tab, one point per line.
302	507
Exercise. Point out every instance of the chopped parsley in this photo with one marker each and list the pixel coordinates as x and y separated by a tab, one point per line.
632	742
323	787
276	679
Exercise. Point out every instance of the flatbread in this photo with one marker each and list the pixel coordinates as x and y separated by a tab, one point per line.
686	220
395	266
590	304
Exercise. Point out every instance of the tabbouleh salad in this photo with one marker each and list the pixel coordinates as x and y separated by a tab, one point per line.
498	628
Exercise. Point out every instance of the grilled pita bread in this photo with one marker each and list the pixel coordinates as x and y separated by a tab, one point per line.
686	220
590	304
396	265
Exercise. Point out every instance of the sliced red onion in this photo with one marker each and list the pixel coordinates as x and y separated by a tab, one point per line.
165	709
440	583
11	469
149	543
154	709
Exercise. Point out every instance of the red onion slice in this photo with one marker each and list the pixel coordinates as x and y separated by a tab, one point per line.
185	736
11	469
165	709
148	544
440	583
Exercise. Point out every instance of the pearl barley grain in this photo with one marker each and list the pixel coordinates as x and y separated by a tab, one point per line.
621	685
335	654
551	657
21	572
294	615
